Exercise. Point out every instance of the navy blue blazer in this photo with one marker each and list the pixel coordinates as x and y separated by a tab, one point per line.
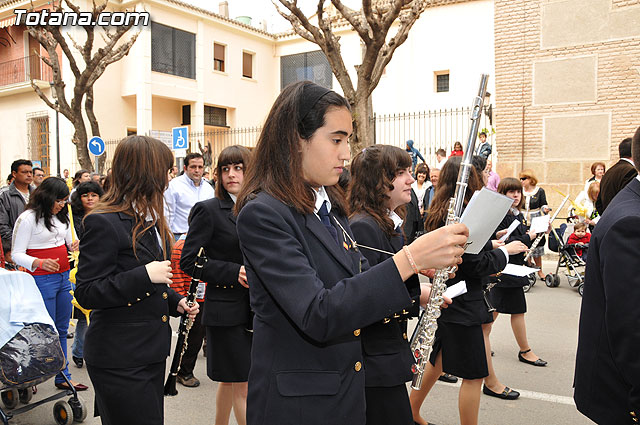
607	375
310	302
519	234
387	357
470	309
129	322
212	225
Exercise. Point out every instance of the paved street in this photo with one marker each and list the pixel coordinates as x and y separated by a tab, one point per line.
546	392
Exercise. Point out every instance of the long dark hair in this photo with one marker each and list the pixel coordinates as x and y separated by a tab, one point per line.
277	165
231	155
446	189
372	173
139	178
42	199
81	189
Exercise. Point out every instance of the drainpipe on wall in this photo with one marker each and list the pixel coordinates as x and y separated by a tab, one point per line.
522	144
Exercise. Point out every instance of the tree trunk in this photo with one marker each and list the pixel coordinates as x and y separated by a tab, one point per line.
80	140
362	129
95	127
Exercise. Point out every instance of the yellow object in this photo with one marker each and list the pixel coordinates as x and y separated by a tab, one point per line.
578	210
79	307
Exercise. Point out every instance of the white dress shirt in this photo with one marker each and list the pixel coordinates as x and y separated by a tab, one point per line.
181	195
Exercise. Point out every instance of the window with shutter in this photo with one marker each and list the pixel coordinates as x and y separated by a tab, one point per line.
218	57
247	65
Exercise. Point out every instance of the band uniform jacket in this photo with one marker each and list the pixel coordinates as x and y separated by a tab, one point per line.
607	375
212	225
129	322
519	234
470	309
613	181
387	357
310	302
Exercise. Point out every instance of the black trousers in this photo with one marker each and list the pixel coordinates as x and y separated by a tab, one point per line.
129	396
194	343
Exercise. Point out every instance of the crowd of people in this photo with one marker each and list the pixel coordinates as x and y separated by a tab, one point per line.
313	270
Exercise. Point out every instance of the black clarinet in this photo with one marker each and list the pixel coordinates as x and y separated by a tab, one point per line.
185	326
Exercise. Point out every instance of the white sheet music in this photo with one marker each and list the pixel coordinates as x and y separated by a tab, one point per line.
520	271
485	211
540	224
456	290
513	226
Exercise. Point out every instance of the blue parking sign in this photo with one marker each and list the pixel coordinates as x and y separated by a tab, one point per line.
180	138
96	146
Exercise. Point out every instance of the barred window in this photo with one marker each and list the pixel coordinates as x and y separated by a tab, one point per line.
442	82
173	51
215	116
218	57
312	66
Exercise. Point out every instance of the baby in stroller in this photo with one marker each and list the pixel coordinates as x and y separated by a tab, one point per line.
580	239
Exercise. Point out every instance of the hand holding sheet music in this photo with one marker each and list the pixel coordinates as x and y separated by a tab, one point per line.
485	211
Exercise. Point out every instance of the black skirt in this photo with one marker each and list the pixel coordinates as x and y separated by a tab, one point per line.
129	396
228	353
508	300
463	350
388	405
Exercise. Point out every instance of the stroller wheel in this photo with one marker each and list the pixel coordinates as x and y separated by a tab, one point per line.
78	408
581	289
62	413
548	280
10	398
526	288
556	280
25	395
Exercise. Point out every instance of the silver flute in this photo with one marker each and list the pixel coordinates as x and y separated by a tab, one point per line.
425	332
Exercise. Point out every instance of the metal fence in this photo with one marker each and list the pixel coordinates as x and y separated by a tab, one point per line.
221	138
24	69
430	130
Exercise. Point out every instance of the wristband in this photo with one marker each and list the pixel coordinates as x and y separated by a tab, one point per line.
410	258
41	262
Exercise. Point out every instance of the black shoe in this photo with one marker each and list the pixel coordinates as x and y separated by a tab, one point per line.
506	394
445	377
538	362
188	381
70	335
78	361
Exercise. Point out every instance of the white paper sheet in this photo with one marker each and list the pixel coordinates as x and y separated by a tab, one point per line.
456	290
514	224
485	211
520	271
540	224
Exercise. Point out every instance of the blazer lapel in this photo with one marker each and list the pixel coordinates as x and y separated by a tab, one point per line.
148	241
317	228
227	204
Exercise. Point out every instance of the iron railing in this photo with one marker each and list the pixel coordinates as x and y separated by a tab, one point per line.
23	70
429	130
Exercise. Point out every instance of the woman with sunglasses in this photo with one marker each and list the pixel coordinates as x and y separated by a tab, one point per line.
535	205
41	238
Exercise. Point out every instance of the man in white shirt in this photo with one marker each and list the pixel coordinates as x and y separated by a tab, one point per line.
183	193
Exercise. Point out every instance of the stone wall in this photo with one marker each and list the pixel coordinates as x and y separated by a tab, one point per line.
567	86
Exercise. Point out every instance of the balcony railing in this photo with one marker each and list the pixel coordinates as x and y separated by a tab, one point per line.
23	70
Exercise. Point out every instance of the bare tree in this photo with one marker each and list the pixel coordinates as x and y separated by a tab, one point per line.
372	23
52	39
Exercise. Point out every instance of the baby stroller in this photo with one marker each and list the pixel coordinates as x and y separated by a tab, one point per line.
30	352
567	258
